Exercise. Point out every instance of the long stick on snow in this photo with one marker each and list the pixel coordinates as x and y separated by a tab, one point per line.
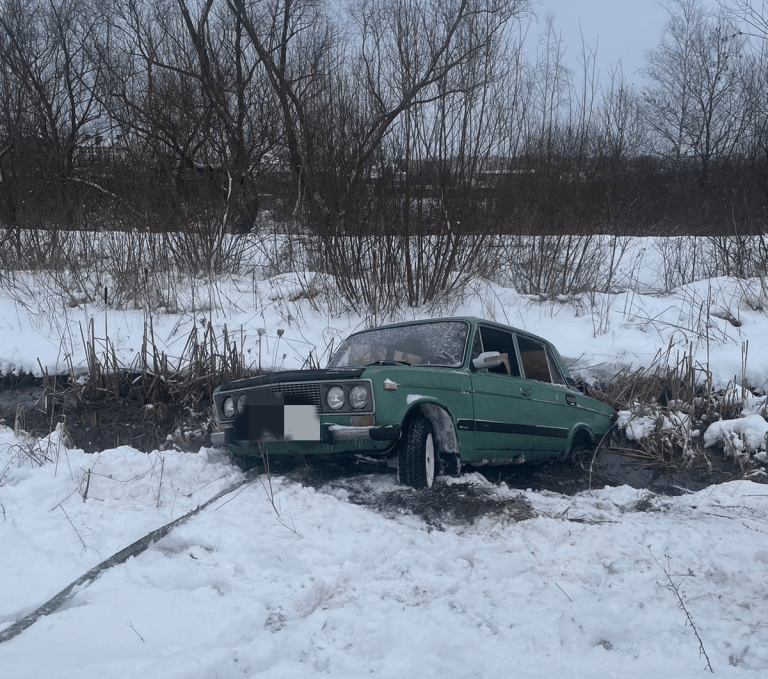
119	557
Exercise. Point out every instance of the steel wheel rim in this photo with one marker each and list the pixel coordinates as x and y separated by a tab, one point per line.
429	460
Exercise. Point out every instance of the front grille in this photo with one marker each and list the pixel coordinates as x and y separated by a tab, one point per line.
308	391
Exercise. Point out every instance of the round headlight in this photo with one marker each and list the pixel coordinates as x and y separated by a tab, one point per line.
335	398
228	407
358	397
241	404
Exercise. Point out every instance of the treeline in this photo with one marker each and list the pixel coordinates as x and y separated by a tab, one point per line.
399	118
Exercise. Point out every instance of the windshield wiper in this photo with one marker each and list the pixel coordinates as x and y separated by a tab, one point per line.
388	362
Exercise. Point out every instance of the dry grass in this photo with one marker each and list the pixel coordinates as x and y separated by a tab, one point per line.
665	409
207	359
139	404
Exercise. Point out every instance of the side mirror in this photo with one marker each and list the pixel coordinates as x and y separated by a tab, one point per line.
487	360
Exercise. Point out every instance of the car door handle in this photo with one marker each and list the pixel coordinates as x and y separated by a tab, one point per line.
525	392
570	400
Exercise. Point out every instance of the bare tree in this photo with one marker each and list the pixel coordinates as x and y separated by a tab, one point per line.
622	127
193	122
671	67
49	73
406	48
751	15
227	70
693	103
552	82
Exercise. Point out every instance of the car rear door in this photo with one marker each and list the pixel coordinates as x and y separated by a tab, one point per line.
555	405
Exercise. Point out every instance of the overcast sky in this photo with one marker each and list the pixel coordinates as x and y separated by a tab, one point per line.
621	29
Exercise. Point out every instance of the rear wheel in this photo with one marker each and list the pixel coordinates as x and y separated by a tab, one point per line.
417	456
580	446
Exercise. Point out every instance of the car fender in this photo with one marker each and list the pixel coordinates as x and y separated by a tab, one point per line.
581	432
443	424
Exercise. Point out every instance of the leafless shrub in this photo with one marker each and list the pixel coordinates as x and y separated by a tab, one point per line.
681	261
155	378
562	264
119	270
205	247
283	247
550	265
379	274
685	259
674	587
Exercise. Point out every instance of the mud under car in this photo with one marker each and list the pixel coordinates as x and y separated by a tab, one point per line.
431	395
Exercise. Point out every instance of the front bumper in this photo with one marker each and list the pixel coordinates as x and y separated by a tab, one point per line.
329	435
216	439
340	432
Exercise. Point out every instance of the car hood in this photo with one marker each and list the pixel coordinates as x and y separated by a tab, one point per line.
293	376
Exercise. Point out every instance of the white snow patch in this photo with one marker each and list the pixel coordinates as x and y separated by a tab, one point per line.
748	433
328	588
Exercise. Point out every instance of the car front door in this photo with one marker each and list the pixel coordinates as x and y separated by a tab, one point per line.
503	424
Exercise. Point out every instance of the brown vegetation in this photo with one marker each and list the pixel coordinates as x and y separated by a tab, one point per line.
404	119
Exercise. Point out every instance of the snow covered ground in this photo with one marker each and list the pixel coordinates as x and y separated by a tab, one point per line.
720	320
330	588
290	580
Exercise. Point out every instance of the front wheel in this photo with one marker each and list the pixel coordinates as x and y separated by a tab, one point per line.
416	458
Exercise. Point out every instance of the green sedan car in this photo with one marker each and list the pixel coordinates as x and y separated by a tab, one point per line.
433	395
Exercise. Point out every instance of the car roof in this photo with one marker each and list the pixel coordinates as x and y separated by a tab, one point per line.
473	320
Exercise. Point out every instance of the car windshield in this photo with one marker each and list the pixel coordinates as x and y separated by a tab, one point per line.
441	343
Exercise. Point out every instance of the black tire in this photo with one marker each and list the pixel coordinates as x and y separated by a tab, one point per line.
580	446
417	456
450	464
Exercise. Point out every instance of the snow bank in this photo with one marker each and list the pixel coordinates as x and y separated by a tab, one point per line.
328	588
740	437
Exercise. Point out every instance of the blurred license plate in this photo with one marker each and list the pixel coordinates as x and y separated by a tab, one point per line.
301	423
269	418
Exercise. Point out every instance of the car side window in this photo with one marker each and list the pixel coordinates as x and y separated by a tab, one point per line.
492	339
535	360
554	370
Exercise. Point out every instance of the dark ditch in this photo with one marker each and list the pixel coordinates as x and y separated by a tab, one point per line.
93	425
96	424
